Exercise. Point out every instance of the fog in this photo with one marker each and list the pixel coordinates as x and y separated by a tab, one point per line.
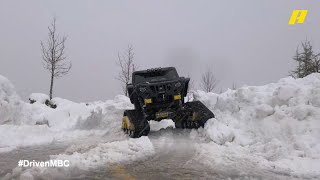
244	42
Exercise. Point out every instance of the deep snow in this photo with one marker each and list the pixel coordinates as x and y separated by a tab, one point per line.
9	101
275	127
277	124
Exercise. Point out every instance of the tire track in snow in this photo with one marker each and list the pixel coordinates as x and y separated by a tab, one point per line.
176	157
172	159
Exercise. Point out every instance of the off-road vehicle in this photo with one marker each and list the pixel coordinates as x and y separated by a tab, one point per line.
159	94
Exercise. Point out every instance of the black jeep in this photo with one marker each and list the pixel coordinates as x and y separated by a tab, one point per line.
159	94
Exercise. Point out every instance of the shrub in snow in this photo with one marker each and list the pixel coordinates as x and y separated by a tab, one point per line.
43	122
50	104
42	99
38	97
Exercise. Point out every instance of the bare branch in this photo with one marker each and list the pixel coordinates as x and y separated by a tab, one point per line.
53	54
127	67
208	81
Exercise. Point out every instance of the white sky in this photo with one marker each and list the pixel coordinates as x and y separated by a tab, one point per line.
246	42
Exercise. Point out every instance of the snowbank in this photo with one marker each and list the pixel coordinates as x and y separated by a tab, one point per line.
9	102
91	127
69	119
278	122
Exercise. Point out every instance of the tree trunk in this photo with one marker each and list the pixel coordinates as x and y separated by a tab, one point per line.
51	85
125	90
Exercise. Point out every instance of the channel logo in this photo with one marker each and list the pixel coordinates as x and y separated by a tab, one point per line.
298	17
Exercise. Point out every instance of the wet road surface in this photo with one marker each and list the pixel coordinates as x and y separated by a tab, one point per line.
174	158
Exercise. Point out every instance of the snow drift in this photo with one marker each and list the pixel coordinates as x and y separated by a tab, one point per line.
278	122
68	121
9	101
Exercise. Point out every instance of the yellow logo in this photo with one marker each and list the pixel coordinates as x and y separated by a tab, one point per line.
298	16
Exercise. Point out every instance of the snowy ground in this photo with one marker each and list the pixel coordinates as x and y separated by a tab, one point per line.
268	132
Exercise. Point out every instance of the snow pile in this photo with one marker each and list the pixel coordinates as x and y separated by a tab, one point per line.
68	120
278	122
9	101
34	124
219	132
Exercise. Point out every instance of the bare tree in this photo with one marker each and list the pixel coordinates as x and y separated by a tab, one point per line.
208	81
53	54
308	61
127	66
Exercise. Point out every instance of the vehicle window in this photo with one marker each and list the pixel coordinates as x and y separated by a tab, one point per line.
155	76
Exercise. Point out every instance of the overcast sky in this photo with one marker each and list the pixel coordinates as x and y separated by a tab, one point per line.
245	42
